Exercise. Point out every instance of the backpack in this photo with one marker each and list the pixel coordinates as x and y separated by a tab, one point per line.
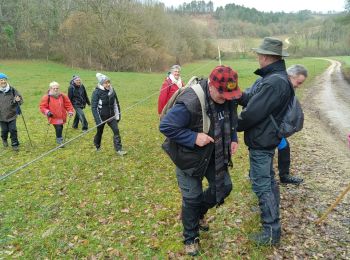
194	84
293	118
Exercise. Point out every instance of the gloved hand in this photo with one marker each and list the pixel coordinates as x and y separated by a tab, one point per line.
283	144
49	114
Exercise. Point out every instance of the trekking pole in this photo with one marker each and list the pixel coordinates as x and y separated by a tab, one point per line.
25	125
47	132
65	134
333	205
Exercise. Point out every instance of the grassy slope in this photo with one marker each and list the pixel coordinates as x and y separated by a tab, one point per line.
78	203
345	60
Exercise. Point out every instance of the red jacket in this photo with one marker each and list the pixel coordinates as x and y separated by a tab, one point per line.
57	106
167	90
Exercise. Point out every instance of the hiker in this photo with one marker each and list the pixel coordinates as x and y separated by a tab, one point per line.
10	100
297	75
105	109
170	85
201	154
55	105
271	97
78	97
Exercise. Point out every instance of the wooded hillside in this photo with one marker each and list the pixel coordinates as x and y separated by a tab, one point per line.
130	35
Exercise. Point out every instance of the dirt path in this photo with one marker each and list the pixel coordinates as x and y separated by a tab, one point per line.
320	156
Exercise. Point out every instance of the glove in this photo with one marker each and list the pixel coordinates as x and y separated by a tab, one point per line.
49	114
283	144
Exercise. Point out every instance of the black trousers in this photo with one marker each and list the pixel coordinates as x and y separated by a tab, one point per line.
284	161
80	116
113	124
9	127
59	130
196	201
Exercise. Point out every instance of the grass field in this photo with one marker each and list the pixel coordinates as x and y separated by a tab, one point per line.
345	60
78	203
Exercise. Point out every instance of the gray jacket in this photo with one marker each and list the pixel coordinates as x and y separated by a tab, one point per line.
8	105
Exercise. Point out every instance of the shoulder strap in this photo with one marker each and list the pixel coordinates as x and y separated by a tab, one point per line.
13	91
201	96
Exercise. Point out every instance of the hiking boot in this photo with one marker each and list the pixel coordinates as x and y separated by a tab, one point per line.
203	224
5	143
266	238
15	148
288	179
192	248
121	152
59	141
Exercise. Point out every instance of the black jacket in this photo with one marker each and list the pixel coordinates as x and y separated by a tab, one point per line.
78	95
271	97
104	104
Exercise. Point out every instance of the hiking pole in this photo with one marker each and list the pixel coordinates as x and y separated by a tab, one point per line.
65	134
47	132
25	125
333	205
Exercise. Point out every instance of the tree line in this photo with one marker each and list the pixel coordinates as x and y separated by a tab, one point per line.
131	35
110	34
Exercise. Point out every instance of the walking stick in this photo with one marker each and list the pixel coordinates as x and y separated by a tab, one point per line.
65	134
47	132
333	205
25	125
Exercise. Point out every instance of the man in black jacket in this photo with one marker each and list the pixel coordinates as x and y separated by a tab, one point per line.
200	153
271	97
297	75
78	97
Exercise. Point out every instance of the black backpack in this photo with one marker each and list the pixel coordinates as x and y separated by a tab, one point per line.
293	118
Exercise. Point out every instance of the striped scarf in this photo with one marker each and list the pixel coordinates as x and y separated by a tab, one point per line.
222	146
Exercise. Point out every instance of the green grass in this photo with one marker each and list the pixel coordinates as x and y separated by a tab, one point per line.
345	60
77	203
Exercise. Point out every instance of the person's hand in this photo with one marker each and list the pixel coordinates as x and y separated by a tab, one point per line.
49	114
70	114
203	139
17	98
234	147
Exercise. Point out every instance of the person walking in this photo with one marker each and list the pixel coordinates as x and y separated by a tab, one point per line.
79	99
297	75
105	109
55	105
170	85
10	100
271	97
202	154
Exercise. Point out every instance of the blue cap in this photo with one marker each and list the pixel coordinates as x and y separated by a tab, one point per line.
3	76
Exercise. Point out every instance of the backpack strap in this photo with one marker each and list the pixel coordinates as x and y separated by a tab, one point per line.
201	96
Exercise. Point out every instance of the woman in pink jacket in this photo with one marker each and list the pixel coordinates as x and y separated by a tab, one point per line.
55	105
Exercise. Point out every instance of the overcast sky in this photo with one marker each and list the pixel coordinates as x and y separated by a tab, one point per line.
276	5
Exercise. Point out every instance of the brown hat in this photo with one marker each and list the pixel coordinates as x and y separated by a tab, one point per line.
271	46
225	80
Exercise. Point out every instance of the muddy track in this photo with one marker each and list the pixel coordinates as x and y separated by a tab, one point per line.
319	155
